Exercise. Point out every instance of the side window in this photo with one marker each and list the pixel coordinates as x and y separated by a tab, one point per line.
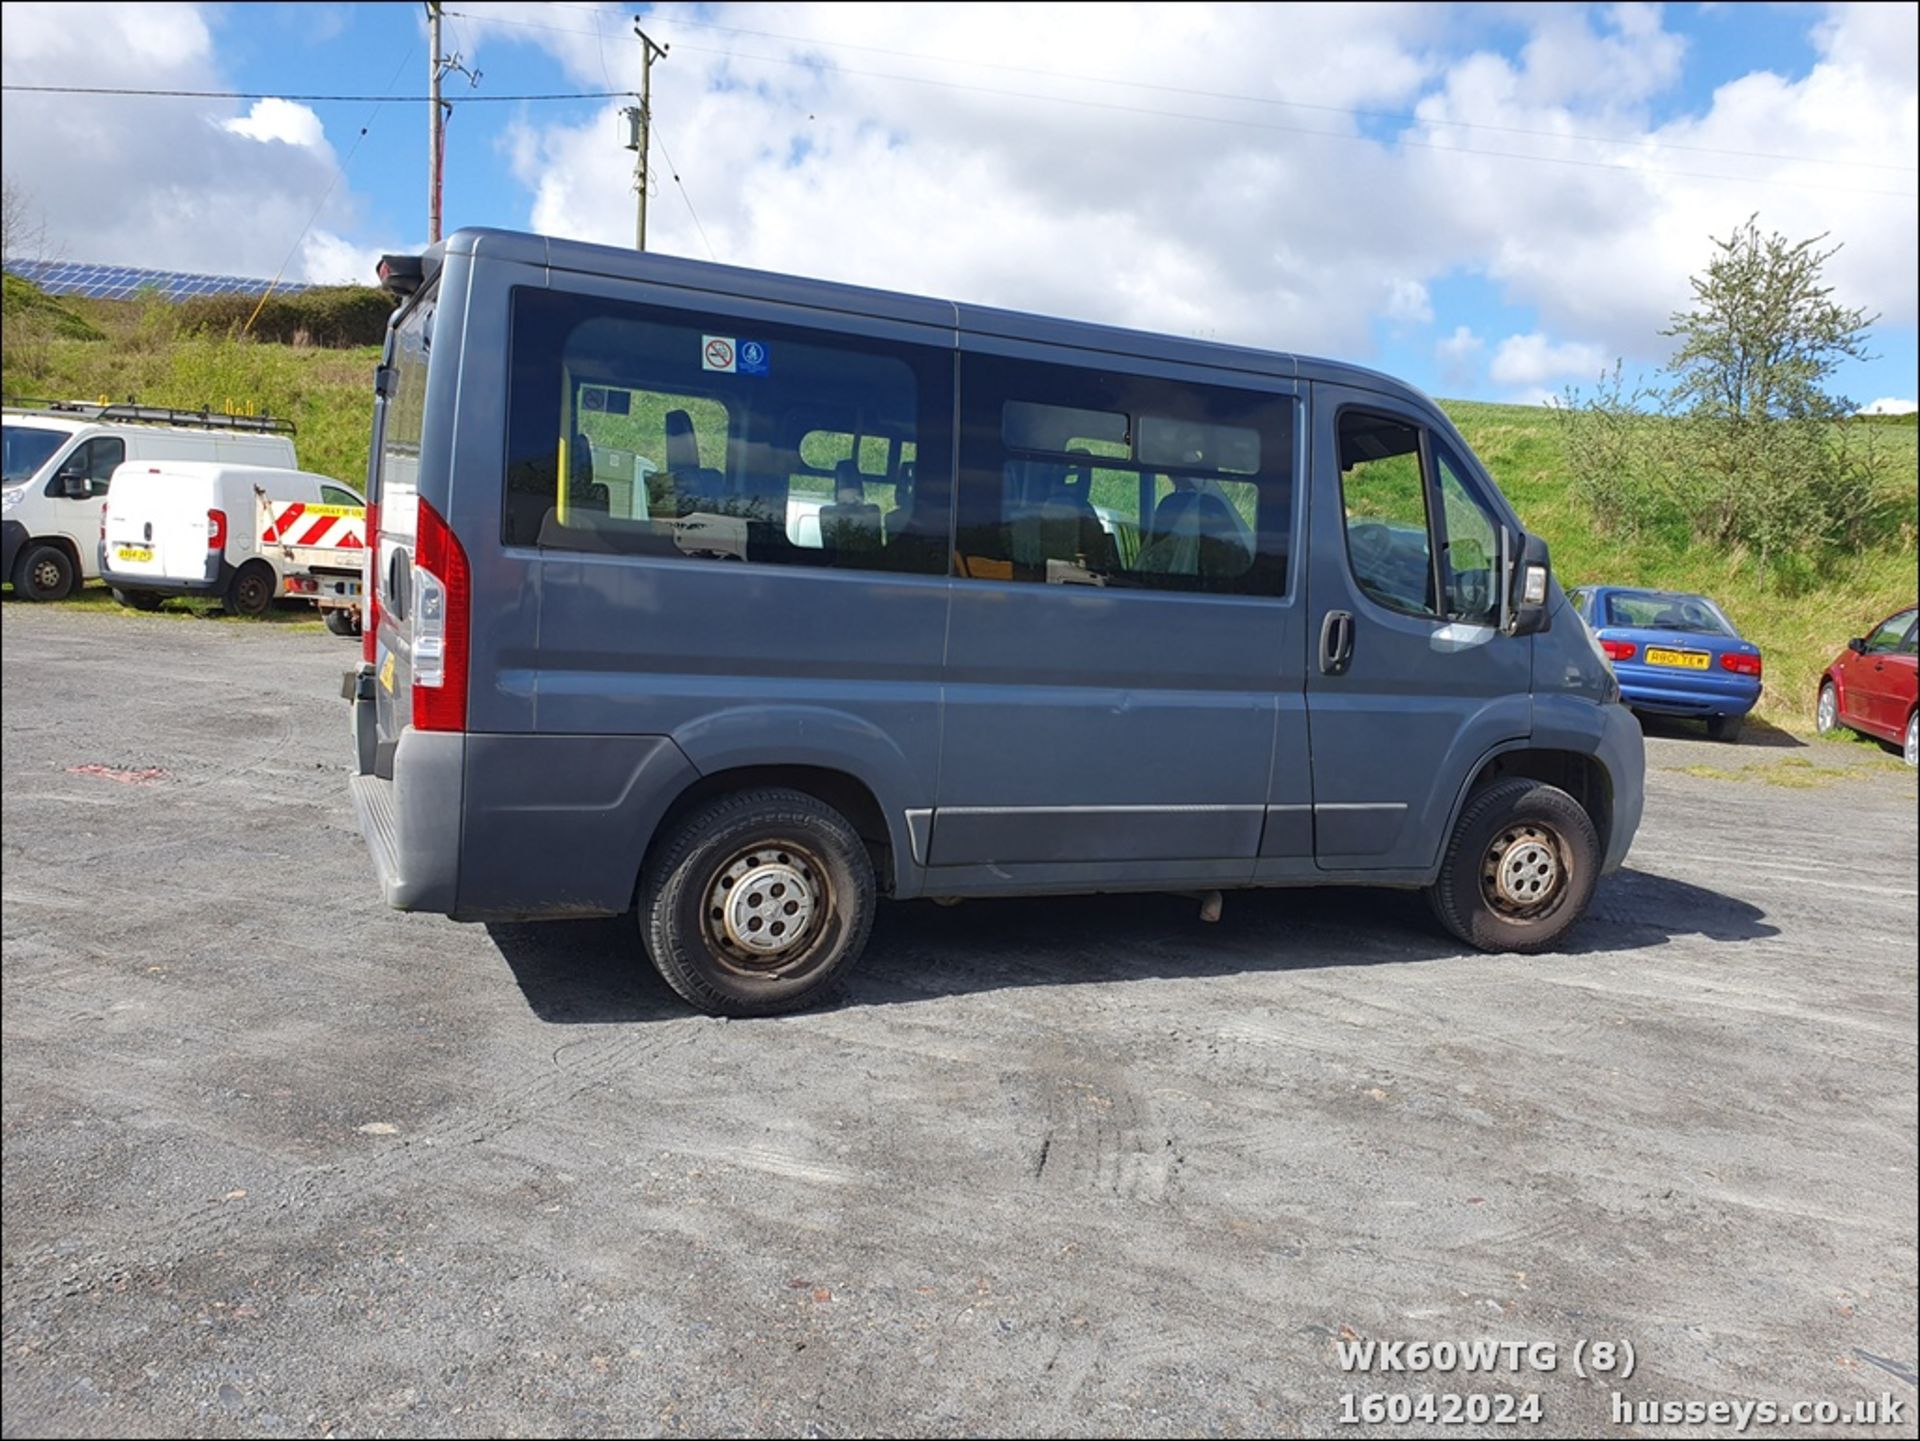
1071	476
639	431
1888	635
96	458
1470	546
1385	497
338	495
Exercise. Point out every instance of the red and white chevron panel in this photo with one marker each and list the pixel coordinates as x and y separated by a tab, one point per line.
343	527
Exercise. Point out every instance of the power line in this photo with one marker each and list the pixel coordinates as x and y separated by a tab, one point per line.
326	195
685	195
304	99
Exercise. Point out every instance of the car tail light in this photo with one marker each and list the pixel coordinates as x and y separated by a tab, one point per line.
438	608
216	530
1740	663
369	587
1618	649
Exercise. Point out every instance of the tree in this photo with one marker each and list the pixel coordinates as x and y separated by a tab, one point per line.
1744	445
23	230
1764	335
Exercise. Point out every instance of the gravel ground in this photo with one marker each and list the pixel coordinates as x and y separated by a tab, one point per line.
280	1161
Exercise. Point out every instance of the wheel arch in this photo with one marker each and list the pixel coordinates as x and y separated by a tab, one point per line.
846	792
1581	774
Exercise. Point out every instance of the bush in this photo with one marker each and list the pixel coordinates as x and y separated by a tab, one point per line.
28	306
335	316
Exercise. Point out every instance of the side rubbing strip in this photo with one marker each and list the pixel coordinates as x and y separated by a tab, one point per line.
919	833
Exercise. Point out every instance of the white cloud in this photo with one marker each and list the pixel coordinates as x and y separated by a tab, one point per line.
173	184
329	259
1889	405
1529	360
1459	357
283	120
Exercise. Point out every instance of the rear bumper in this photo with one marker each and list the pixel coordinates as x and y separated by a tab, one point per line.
510	827
219	576
411	823
1663	693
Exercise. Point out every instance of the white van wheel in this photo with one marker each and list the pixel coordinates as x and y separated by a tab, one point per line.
250	593
43	572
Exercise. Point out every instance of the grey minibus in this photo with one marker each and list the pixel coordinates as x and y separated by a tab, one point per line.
737	601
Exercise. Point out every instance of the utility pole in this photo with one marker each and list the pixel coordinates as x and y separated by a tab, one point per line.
436	123
639	122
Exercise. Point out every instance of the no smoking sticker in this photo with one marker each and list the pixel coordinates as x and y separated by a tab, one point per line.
717	353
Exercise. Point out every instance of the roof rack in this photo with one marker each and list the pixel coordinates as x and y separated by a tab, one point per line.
154	415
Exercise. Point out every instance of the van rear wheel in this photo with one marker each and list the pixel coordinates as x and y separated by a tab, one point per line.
343	622
757	903
1519	870
250	592
137	599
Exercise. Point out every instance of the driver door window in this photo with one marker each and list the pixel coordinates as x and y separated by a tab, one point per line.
94	459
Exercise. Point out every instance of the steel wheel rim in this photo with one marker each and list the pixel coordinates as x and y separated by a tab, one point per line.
1913	740
1525	873
46	575
769	909
1829	710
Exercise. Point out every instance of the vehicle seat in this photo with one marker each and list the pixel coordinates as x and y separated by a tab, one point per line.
1070	528
900	518
583	491
1202	541
850	523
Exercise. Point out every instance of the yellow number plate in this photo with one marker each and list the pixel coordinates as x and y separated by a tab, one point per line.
135	552
1684	659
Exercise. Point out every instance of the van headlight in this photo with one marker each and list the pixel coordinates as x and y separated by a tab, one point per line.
10	498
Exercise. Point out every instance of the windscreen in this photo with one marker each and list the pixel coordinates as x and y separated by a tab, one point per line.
28	447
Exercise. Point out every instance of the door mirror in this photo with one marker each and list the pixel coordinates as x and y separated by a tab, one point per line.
1858	645
75	483
1529	587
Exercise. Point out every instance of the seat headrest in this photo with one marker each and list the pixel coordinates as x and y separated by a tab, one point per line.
849	486
683	448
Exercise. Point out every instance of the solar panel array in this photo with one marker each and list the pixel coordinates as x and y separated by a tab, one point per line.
124	282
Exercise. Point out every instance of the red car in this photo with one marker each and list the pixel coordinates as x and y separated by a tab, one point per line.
1871	686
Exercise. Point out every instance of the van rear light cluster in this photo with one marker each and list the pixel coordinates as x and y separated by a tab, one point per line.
103	522
1618	649
216	530
302	585
370	585
439	605
1740	663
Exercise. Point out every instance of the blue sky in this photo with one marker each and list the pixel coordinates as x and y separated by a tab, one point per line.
1288	177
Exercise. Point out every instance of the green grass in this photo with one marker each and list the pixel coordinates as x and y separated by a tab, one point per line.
1799	625
1797	773
285	615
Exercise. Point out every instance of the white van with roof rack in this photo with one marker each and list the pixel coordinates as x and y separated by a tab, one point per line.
59	461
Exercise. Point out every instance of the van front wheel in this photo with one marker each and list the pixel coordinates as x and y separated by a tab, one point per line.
43	572
757	903
250	592
1519	870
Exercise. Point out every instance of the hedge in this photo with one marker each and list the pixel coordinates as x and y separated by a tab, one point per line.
336	316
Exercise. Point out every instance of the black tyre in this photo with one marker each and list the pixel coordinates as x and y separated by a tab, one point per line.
1519	870
343	622
757	903
137	599
250	592
43	572
1726	728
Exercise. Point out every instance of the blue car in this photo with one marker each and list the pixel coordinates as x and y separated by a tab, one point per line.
1674	654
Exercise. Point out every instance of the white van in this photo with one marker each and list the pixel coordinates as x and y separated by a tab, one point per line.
190	527
60	457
